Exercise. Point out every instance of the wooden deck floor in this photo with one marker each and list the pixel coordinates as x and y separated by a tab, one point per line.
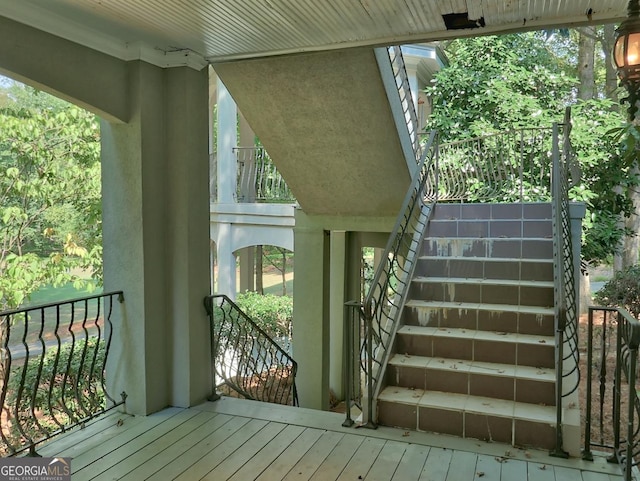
243	440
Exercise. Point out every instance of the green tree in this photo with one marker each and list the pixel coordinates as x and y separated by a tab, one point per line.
496	83
49	193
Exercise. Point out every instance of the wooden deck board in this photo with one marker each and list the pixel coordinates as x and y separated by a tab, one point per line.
285	462
386	463
205	462
118	451
542	472
243	440
231	464
462	466
513	469
314	457
488	468
268	453
362	460
202	434
338	458
80	440
151	449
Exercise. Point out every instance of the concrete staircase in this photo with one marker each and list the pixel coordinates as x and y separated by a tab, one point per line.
474	356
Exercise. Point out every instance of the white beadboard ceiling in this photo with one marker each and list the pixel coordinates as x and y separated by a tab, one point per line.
219	30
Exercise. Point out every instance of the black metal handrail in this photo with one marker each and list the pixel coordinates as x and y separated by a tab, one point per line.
619	330
53	361
406	99
246	358
565	302
377	317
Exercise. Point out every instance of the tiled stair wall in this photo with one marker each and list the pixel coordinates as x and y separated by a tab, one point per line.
475	354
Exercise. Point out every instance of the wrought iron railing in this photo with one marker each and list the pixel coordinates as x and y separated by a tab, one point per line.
564	265
376	318
406	98
258	178
510	166
52	369
615	335
246	359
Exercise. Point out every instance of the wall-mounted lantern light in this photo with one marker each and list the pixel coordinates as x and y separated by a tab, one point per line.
626	55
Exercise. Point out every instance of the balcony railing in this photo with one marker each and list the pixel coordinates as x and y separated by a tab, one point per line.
613	338
247	362
509	166
52	369
258	178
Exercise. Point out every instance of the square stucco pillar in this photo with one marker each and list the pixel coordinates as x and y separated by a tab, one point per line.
311	312
337	299
156	239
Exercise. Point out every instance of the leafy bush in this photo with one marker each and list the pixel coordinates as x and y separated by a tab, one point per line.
623	290
272	313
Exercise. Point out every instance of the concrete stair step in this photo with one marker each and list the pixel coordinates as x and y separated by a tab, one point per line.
490	291
462	376
490	228
532	320
506	248
478	417
469	211
485	268
484	346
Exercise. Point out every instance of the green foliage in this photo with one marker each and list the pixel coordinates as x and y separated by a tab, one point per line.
623	290
495	83
50	194
272	313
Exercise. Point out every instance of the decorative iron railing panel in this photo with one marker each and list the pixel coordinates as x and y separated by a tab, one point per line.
372	323
613	337
246	359
565	301
406	99
510	166
258	178
53	361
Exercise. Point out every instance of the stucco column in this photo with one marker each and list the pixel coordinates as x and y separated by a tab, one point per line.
311	313
156	239
577	211
247	263
226	279
227	141
246	256
337	299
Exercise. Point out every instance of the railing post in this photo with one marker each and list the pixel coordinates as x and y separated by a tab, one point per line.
368	322
631	406
348	357
586	453
617	394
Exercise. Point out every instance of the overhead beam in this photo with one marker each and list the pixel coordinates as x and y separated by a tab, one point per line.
90	79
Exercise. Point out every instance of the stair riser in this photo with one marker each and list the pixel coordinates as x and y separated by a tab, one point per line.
513	295
521	354
533	211
461	382
480	319
482	269
468	425
490	228
491	248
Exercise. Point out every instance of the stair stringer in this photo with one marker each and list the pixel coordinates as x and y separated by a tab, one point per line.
382	356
